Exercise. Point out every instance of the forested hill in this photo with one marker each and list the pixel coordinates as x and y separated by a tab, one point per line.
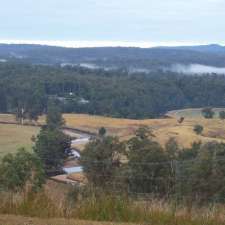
116	57
112	93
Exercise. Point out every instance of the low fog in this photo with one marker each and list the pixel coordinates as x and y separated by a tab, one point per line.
196	69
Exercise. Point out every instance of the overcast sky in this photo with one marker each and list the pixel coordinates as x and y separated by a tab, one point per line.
144	21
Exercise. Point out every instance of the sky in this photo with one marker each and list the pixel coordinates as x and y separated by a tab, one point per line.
141	23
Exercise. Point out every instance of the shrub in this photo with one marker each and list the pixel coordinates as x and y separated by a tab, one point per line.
21	170
222	115
198	129
102	132
208	113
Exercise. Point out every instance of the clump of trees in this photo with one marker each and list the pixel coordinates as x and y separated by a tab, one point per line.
28	103
24	168
51	143
101	159
102	132
222	115
208	113
21	171
26	172
141	165
198	129
145	157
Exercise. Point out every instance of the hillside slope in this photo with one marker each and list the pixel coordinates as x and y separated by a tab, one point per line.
149	58
163	129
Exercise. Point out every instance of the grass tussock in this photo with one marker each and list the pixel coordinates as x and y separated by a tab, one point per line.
106	207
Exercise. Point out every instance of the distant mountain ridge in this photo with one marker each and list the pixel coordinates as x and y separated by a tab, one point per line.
213	48
116	57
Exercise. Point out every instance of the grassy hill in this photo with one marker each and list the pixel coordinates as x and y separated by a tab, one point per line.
152	58
14	136
192	113
214	129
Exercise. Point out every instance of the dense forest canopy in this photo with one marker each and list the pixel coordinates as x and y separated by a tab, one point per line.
112	93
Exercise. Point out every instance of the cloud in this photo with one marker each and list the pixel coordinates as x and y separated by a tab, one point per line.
79	44
196	69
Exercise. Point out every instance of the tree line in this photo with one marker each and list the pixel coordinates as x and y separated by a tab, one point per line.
26	89
142	166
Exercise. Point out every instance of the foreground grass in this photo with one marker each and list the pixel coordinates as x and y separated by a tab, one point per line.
21	220
102	208
13	137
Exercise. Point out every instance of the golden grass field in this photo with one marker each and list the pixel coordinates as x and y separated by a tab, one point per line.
192	113
13	136
163	129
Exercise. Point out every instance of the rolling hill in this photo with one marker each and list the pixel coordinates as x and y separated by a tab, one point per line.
131	58
163	129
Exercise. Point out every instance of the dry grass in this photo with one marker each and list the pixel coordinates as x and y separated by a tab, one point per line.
51	206
214	129
13	137
10	118
78	177
48	209
192	113
7	118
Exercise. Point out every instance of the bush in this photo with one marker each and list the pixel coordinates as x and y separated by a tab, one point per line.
198	129
222	115
208	113
21	171
102	132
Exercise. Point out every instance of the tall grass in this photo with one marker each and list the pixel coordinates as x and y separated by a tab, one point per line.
106	207
31	204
